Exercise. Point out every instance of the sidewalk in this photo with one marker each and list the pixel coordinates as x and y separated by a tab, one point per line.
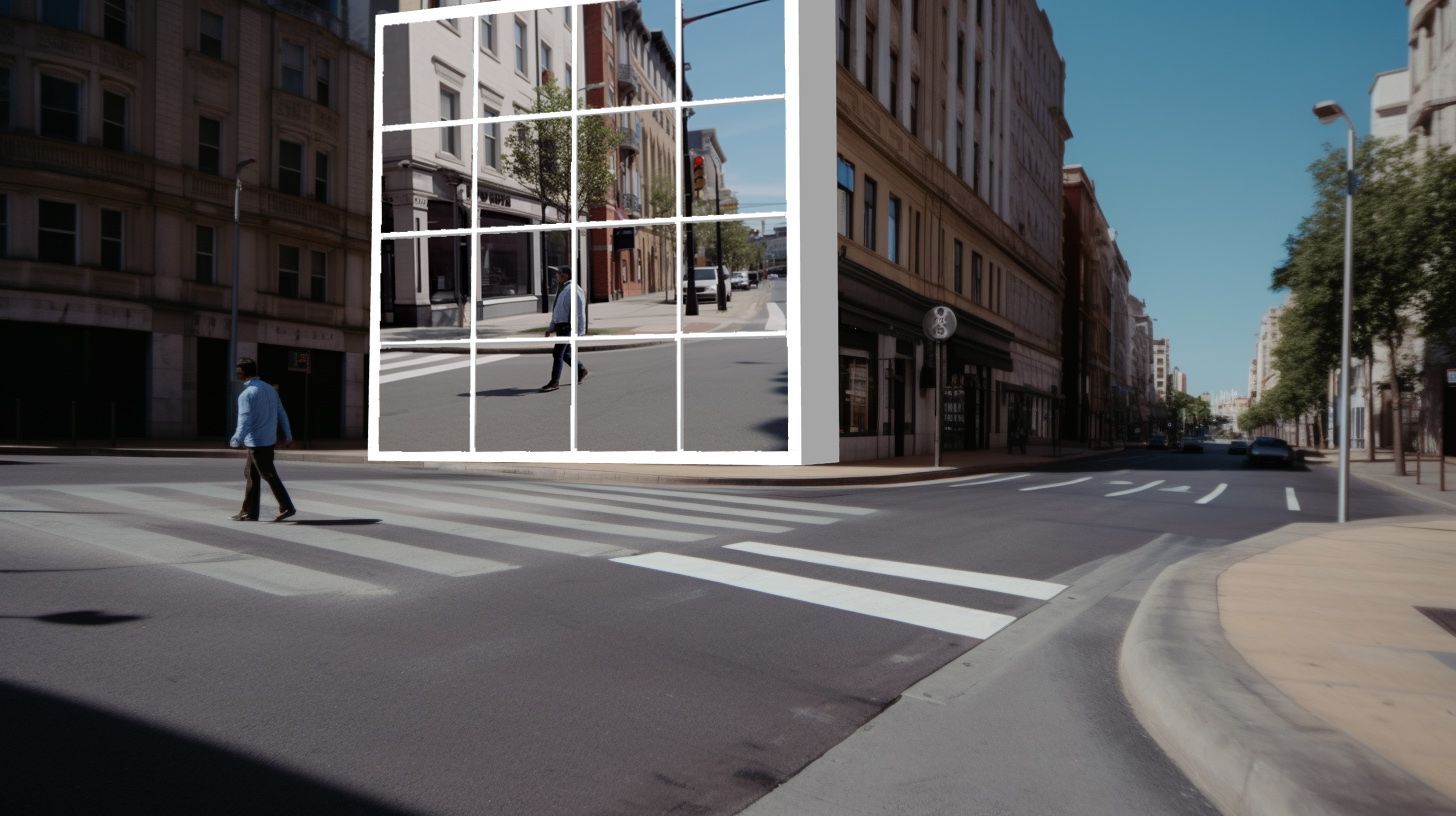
1292	673
876	471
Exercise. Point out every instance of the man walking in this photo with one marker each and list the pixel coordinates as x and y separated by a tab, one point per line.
568	299
260	412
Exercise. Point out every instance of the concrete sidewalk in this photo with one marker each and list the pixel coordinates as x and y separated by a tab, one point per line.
1293	673
877	471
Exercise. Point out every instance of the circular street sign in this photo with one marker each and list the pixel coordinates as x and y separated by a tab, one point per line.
940	323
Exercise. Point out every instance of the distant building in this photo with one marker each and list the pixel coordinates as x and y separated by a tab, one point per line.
1161	368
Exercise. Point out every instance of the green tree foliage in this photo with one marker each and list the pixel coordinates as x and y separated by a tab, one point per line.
1438	306
537	154
740	251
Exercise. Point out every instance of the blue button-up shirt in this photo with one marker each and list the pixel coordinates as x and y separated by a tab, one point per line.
260	412
570	295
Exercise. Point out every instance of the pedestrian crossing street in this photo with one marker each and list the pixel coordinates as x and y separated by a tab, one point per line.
469	528
1126	487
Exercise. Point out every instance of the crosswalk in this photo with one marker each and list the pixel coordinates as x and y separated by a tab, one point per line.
1127	487
435	527
397	366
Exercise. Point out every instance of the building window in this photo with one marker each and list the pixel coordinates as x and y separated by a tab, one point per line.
915	15
857	400
318	287
895	84
914	106
449	111
209	145
893	229
980	11
323	81
288	271
290	168
487	32
56	232
978	85
871	203
976	277
961	149
209	34
111	240
869	76
205	257
491	154
959	266
520	47
846	198
916	246
846	35
976	167
321	176
60	108
4	97
961	61
62	13
113	21
4	225
545	61
569	80
292	63
113	120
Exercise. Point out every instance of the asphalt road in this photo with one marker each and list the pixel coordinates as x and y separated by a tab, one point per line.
734	394
427	642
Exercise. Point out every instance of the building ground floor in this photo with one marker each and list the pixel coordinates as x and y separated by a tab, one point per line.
86	367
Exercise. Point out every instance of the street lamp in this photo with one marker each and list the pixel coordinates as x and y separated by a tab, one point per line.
233	327
1327	112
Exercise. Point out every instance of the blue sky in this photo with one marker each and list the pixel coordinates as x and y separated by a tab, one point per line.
1194	122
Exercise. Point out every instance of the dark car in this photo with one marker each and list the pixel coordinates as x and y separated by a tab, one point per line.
1192	444
1158	441
1239	446
1269	450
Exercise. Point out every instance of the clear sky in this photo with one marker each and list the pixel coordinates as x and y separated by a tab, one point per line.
1194	122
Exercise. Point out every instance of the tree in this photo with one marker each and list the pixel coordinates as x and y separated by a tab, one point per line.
740	251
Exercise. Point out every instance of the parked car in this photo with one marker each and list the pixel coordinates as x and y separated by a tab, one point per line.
1192	444
738	280
705	280
1239	446
1158	441
753	279
1268	450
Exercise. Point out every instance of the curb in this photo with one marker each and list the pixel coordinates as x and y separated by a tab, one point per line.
1246	745
557	473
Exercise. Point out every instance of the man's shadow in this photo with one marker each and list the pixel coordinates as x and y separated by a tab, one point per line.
503	392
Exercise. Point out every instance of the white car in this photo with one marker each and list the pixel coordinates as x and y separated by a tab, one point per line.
739	280
705	280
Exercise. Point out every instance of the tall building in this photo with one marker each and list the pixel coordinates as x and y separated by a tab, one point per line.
123	127
1266	371
950	145
1161	368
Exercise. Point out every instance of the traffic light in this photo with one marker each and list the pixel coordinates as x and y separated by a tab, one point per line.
698	181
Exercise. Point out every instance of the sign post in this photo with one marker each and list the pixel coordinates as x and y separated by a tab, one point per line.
939	325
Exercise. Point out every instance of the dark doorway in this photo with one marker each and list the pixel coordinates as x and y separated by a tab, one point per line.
64	379
314	400
1448	421
213	383
897	403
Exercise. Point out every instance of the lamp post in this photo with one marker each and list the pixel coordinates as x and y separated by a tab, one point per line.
233	326
1327	112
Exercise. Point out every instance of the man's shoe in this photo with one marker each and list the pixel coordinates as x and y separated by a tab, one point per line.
243	517
283	514
551	386
581	375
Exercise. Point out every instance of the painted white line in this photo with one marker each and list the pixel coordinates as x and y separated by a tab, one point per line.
464	363
309	503
544	518
493	494
251	572
1138	489
1056	484
776	319
1009	585
418	359
992	481
325	538
1290	500
729	498
949	482
1119	481
1213	494
696	507
1178	489
957	620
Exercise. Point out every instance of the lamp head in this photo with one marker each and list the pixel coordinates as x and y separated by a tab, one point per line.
245	163
1328	111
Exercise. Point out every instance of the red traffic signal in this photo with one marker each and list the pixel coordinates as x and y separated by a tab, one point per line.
698	181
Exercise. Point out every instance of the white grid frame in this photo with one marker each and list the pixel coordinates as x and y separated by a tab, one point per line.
806	443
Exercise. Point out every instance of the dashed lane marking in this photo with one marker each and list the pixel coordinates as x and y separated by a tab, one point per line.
1057	484
992	481
1178	489
1138	489
1213	494
1290	500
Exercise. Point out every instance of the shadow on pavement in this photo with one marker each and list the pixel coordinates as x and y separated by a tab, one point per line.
336	522
64	757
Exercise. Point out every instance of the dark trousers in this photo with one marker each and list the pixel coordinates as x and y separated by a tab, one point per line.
260	461
561	352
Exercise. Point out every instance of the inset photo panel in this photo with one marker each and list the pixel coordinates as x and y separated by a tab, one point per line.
735	158
735	394
427	71
628	401
736	54
523	396
424	289
737	276
626	168
425	183
628	275
525	62
520	276
424	399
646	61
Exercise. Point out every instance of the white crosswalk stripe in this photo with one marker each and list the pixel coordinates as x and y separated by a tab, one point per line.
1290	500
1138	489
728	498
387	363
696	507
514	538
404	555
1056	484
993	481
463	362
251	572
